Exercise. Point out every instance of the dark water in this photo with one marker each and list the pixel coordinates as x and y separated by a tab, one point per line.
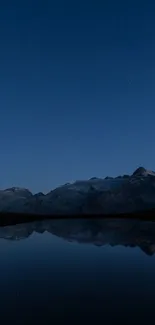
78	271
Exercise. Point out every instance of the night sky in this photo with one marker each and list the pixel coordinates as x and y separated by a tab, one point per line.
77	90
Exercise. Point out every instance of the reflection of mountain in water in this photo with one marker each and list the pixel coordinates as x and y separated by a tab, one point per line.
99	232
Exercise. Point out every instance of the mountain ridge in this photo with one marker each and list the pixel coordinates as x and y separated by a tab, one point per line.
121	194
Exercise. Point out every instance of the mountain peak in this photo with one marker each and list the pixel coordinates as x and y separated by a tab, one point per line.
17	189
140	171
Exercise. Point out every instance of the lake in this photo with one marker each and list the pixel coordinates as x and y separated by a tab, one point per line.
78	271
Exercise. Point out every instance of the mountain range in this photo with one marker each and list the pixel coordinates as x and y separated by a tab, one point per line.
122	194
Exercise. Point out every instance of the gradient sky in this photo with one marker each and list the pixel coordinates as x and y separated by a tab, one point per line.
77	90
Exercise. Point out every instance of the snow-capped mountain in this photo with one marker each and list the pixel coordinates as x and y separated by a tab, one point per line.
104	196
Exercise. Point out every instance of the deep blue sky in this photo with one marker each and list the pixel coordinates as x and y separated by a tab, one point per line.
77	90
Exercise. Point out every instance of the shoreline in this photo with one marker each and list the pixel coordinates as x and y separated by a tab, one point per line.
8	219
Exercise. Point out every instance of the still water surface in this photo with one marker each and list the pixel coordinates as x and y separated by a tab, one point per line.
78	271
